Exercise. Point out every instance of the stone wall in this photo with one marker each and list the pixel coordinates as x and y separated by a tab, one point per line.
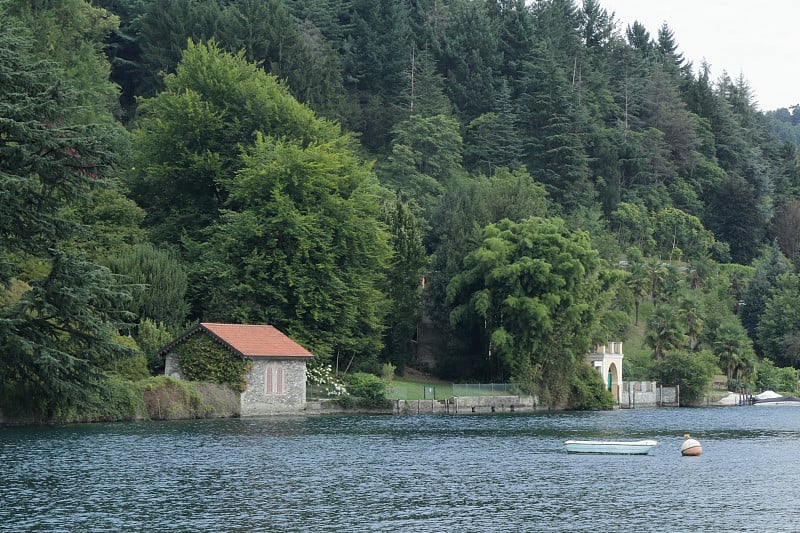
290	397
467	404
648	394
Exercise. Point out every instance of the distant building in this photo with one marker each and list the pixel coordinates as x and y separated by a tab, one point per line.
607	359
276	383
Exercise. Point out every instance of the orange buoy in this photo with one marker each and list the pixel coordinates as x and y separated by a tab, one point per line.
690	447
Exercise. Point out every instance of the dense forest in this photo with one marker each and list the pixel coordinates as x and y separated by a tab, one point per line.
521	178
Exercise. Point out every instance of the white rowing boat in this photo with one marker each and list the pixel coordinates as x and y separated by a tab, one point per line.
638	447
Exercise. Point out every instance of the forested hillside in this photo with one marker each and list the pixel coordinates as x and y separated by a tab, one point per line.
526	175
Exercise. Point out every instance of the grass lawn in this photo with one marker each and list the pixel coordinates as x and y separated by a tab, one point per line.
403	389
416	385
425	387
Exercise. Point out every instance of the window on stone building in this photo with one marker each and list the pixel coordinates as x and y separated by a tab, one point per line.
273	379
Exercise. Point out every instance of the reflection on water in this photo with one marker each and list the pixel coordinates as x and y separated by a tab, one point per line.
503	472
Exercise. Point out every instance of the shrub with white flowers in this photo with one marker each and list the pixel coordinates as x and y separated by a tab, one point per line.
326	382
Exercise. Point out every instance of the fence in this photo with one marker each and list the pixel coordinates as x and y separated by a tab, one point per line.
421	391
487	389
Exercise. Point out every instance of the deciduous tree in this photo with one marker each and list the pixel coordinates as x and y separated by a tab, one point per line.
537	292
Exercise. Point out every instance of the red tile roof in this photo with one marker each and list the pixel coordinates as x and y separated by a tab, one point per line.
248	340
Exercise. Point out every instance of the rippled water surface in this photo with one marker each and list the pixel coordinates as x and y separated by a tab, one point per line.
504	472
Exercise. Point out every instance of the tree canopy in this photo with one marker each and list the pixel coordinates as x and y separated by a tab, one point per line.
355	172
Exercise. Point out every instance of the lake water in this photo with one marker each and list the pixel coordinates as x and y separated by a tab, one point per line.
502	472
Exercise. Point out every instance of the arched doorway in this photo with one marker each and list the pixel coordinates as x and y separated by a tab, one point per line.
614	379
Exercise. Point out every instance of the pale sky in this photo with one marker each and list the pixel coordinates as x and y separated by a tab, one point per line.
756	38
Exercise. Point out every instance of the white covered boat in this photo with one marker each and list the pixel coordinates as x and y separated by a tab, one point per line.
773	398
637	447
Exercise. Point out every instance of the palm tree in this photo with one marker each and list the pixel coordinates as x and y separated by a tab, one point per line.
664	331
638	282
691	309
733	348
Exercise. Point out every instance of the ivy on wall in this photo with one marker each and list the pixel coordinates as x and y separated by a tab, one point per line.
203	359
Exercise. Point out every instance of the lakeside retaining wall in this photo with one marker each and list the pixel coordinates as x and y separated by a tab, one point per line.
648	394
467	404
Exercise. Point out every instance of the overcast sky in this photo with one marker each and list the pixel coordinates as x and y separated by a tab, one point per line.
758	39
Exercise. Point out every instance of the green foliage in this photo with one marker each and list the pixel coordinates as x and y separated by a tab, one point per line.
298	244
781	380
426	156
166	398
119	399
734	350
535	291
151	336
162	281
368	388
70	33
189	137
588	392
779	325
692	371
203	359
769	267
387	373
406	269
274	215
131	368
736	218
665	332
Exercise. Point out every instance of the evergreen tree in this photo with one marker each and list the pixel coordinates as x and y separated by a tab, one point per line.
60	312
424	92
779	326
426	157
377	56
295	52
735	217
770	266
467	50
71	34
403	279
784	230
555	150
162	281
493	139
124	50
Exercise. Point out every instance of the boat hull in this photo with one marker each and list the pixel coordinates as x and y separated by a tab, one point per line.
786	402
640	447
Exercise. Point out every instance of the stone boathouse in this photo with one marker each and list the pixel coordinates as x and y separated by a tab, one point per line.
276	383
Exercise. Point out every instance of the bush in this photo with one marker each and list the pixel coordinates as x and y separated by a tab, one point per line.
167	398
387	372
770	377
369	389
692	371
131	368
151	336
587	390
